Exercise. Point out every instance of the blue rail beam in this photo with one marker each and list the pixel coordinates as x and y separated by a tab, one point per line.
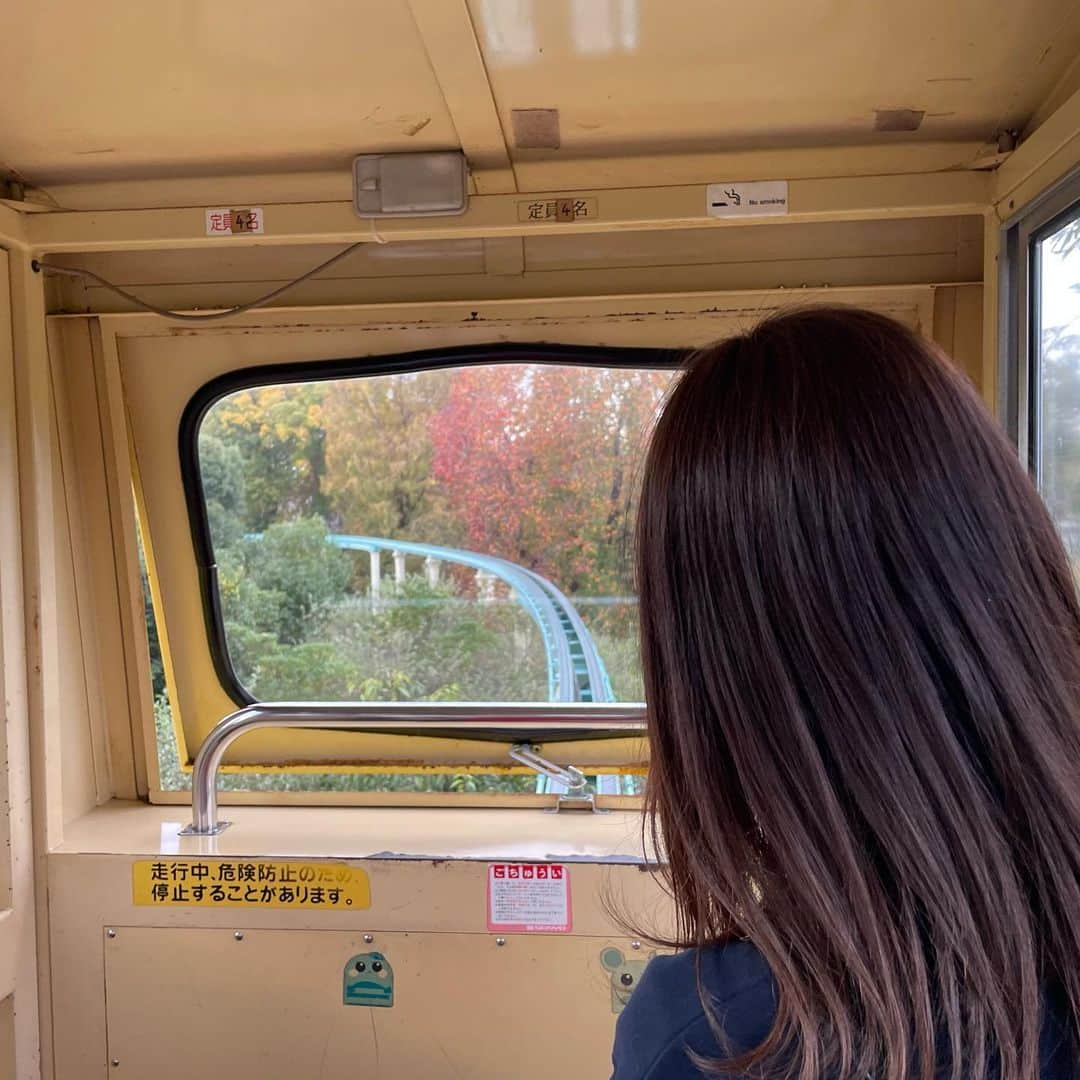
575	669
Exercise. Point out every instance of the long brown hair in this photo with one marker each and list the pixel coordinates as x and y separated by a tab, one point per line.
861	646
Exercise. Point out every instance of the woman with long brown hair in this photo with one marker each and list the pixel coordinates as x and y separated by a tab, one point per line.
861	645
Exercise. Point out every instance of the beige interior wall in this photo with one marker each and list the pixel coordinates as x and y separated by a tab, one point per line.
81	749
104	575
161	370
836	254
958	327
9	670
82	631
179	980
7	1038
19	1032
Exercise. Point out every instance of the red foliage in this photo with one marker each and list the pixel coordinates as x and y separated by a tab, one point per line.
539	463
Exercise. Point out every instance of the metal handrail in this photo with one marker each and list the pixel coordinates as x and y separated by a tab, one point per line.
519	721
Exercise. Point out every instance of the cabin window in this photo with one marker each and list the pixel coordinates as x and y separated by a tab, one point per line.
1055	345
446	533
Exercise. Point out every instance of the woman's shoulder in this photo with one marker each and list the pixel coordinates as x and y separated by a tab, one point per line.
664	1021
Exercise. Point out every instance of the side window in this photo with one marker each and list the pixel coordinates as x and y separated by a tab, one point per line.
1055	345
445	534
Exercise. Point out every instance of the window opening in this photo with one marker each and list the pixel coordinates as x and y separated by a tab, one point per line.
424	528
1055	397
443	534
174	776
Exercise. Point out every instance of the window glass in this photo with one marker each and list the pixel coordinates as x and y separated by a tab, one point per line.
173	776
453	534
1057	346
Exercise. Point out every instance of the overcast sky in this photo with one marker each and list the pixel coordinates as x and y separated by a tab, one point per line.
1060	288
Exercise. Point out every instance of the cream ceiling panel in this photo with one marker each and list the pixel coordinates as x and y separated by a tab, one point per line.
118	89
644	76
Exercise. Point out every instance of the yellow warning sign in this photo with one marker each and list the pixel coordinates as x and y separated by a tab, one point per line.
241	883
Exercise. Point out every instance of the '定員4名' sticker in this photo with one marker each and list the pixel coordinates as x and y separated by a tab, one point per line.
221	221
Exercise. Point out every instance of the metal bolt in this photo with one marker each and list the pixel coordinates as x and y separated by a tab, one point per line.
626	979
500	941
115	1063
635	945
239	935
111	932
369	938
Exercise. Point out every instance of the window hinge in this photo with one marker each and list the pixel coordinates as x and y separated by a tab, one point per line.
575	793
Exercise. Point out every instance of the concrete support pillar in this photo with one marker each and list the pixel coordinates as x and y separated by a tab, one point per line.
485	586
431	569
399	567
376	578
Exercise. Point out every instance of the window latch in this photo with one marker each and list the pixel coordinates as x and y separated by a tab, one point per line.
568	782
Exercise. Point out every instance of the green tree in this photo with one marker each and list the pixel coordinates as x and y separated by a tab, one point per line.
296	561
379	479
425	643
278	431
222	472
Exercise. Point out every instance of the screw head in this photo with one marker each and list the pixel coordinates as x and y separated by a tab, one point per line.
626	979
635	945
115	1063
500	941
110	932
369	938
239	935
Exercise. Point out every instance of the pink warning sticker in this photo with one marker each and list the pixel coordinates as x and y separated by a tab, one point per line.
525	899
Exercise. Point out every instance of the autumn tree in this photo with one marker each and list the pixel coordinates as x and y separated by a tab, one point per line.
537	461
379	479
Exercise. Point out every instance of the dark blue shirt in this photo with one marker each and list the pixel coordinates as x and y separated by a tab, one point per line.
663	1019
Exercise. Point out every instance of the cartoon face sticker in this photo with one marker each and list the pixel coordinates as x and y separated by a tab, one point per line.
625	974
369	980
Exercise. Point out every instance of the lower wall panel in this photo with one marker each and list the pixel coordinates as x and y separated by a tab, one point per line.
176	992
269	1005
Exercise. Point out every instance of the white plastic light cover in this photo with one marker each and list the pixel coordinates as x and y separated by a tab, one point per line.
410	185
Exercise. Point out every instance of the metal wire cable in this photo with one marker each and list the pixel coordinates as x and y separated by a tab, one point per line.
179	316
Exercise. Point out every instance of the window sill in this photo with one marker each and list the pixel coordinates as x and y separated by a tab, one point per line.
135	828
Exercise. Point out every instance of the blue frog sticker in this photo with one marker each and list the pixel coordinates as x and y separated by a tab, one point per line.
369	980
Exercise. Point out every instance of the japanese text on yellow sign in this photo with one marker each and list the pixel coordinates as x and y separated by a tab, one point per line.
232	883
